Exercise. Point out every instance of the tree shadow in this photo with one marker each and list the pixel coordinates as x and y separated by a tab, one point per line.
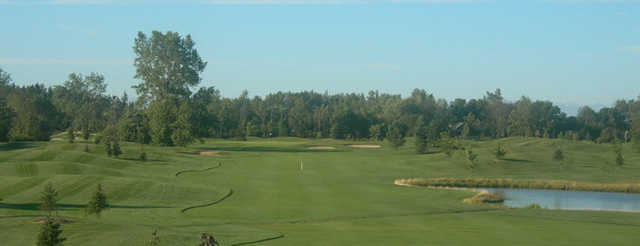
516	160
16	146
266	149
34	206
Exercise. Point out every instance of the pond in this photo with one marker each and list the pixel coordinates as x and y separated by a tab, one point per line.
570	200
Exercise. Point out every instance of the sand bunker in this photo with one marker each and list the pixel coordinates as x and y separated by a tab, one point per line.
365	146
210	153
321	148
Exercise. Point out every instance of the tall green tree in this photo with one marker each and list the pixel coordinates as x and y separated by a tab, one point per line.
98	202
48	198
169	66
396	136
50	233
635	129
6	117
421	136
182	135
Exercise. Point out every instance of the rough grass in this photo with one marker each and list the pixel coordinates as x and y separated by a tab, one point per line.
344	196
521	184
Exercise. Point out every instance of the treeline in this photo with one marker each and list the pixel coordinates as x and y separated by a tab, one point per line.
167	111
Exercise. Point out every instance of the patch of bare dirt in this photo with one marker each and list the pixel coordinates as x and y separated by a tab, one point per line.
210	153
321	148
365	146
59	220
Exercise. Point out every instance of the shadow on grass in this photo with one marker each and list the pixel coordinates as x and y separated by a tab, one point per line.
517	160
34	206
266	149
16	146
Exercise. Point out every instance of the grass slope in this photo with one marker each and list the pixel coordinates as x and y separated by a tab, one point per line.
344	196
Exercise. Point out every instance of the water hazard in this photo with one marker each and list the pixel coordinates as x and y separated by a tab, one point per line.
571	200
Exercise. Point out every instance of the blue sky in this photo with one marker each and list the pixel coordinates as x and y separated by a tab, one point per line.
571	52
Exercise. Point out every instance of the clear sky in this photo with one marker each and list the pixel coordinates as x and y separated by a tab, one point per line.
568	51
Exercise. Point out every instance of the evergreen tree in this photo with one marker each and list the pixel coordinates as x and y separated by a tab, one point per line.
396	137
558	155
283	130
48	198
6	116
635	130
499	152
471	157
447	144
50	233
617	149
421	136
98	202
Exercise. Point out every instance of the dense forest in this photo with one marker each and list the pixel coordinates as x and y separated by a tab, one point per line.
168	112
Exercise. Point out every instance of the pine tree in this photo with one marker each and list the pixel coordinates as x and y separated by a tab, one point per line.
617	149
558	155
447	144
49	198
472	157
283	130
395	137
421	136
50	233
499	152
98	202
635	131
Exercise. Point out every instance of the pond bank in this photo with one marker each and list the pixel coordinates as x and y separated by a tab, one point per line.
518	184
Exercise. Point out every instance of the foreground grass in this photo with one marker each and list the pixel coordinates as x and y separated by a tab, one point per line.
344	196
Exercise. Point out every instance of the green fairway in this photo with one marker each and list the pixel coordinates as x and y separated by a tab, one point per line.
255	191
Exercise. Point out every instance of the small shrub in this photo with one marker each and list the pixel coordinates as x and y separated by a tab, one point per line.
143	156
500	152
619	159
617	148
116	149
486	197
558	155
97	139
108	149
207	240
155	239
86	148
533	206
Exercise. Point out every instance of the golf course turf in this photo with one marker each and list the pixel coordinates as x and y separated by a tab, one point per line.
255	193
